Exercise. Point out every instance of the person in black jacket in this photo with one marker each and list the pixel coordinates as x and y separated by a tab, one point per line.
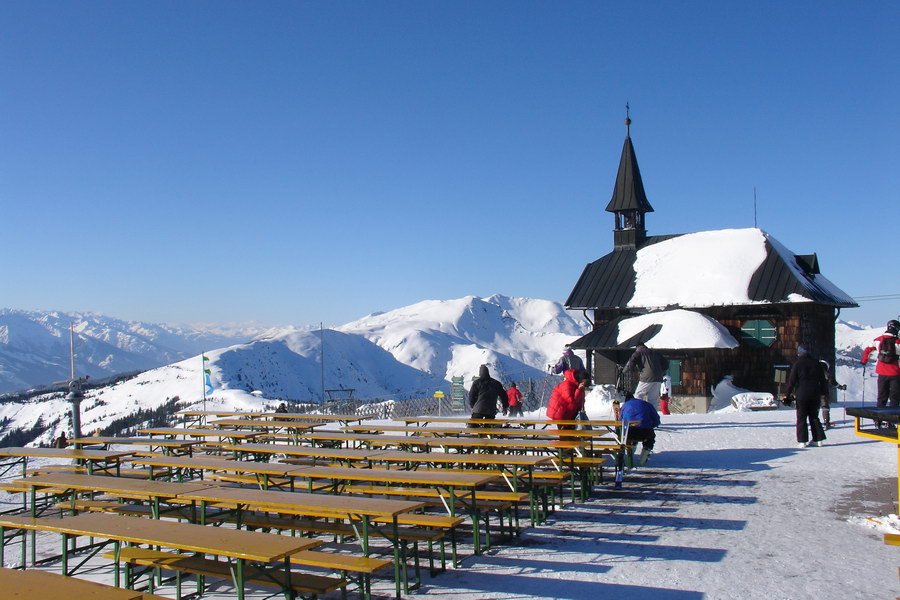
484	394
808	377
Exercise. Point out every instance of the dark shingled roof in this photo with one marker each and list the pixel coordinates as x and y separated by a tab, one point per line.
609	282
628	193
774	280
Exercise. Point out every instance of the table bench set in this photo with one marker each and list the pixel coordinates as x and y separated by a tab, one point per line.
209	500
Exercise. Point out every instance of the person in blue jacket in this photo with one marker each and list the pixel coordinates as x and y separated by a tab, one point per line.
638	409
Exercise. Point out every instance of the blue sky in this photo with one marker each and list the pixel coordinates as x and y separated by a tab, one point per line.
298	162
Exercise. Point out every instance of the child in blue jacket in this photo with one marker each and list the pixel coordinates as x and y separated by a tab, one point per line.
636	409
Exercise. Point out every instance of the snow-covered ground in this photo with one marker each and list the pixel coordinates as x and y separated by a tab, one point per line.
727	508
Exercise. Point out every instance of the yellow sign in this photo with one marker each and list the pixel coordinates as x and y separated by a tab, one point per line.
439	394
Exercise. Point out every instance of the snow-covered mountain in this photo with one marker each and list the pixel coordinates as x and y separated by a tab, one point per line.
34	345
406	353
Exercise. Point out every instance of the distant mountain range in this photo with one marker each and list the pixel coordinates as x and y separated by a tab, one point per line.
34	345
405	353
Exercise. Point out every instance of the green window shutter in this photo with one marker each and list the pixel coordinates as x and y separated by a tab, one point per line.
758	333
675	371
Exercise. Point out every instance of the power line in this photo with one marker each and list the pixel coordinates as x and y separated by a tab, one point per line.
878	297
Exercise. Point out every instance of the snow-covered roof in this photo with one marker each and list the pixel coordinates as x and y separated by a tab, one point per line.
710	268
669	329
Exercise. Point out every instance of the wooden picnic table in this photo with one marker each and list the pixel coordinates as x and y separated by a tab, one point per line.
452	482
94	459
259	549
265	424
379	440
591	434
30	584
342	419
166	445
152	491
198	417
295	450
175	432
425	420
263	470
339	507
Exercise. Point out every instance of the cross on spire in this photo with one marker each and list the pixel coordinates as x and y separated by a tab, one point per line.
627	119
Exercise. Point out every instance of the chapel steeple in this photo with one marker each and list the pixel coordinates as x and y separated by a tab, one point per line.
629	202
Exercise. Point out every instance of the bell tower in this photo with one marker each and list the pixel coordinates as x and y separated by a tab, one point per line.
629	202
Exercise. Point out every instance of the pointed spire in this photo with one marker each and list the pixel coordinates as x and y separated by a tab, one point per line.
628	193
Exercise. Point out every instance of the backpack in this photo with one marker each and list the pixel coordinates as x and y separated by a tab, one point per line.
887	350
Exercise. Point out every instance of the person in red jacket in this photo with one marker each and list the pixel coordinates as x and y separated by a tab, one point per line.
515	400
887	367
567	397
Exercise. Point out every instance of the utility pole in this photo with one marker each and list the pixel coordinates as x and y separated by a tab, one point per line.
322	360
75	395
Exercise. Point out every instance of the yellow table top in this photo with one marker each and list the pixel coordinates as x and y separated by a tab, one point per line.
75	453
300	501
480	431
215	413
295	450
511	421
500	460
263	424
313	417
215	464
469	480
31	583
134	441
125	486
200	433
219	541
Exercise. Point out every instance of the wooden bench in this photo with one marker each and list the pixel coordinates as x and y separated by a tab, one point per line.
412	527
303	583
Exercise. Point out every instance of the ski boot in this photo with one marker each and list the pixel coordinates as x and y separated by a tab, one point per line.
645	455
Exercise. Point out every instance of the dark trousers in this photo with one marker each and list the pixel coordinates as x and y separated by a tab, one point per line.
515	410
481	416
647	435
889	389
808	414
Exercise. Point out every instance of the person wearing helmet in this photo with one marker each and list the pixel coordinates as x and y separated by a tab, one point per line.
887	367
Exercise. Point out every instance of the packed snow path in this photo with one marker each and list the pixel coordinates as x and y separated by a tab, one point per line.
728	508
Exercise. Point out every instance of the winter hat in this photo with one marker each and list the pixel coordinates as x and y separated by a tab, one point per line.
568	351
893	327
802	350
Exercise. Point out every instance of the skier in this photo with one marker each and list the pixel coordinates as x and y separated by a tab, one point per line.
484	394
569	360
808	377
652	367
567	398
887	366
514	397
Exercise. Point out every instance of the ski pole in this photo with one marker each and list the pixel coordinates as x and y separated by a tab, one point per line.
864	385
